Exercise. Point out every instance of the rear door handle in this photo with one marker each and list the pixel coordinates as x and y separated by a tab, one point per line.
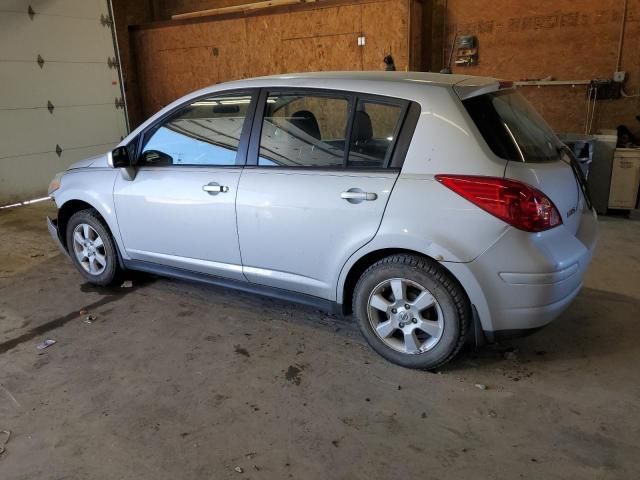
355	195
213	188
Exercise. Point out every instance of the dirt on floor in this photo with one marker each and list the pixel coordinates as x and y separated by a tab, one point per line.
176	380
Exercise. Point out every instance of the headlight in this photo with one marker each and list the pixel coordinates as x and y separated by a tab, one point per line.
55	183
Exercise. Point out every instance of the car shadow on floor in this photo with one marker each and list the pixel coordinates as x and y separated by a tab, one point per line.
598	324
584	330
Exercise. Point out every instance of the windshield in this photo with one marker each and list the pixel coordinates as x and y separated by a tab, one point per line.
512	128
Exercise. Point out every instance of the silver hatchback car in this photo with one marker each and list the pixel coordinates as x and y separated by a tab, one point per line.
436	209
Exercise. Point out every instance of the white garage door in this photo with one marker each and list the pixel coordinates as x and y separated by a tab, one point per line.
58	90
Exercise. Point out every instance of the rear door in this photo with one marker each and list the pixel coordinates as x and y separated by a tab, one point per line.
319	174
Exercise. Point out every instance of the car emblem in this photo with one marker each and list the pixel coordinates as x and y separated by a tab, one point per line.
571	212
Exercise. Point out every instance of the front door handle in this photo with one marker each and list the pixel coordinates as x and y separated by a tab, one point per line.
213	188
355	195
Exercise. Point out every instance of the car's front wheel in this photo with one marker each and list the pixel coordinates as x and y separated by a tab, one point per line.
92	248
411	311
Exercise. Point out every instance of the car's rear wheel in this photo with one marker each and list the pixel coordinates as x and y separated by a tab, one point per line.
91	248
412	311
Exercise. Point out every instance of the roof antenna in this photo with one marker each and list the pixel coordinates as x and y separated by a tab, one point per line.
389	64
447	69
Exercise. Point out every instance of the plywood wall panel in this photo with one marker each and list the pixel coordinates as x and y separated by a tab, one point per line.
336	52
564	39
176	59
264	50
416	37
386	27
322	22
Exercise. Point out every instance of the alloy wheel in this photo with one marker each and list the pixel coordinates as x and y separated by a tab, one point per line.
89	249
405	316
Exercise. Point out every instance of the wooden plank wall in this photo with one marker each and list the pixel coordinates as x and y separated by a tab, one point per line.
565	39
172	60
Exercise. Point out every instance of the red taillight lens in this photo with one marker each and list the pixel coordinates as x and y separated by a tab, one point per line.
515	202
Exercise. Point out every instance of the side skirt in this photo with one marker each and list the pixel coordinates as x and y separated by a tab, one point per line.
271	292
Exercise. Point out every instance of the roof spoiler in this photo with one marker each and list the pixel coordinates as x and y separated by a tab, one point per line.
472	87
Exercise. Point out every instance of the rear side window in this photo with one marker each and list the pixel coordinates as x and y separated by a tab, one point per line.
512	128
375	126
304	131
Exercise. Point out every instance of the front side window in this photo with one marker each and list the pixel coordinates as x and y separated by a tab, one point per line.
304	131
207	132
372	136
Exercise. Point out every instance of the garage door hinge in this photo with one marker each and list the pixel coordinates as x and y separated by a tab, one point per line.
119	102
105	20
50	106
31	12
112	62
40	60
58	150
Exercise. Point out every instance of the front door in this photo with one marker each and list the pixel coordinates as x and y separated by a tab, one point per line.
313	198
179	210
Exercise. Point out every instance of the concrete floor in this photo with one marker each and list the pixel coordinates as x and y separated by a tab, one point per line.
175	380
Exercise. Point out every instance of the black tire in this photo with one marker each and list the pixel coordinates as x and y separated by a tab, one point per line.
448	293
112	270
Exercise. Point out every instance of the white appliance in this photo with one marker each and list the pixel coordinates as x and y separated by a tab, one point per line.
625	178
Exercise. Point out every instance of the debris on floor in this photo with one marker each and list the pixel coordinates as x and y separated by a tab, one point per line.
239	469
89	319
481	386
127	284
511	354
3	443
46	344
83	312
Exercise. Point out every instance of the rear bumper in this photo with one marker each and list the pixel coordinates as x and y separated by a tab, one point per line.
524	281
52	226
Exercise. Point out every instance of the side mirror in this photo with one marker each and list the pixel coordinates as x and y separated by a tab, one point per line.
119	158
156	158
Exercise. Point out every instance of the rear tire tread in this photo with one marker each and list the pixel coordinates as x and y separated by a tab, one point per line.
432	268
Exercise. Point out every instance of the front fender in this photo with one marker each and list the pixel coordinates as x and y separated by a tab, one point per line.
95	187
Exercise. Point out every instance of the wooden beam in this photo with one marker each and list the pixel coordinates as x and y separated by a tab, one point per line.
246	7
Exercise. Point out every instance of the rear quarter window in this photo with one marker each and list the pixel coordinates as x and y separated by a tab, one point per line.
512	128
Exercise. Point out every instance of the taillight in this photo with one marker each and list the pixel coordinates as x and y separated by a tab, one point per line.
517	203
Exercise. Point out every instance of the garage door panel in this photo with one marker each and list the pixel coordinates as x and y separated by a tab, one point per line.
62	84
94	126
31	131
76	8
74	77
54	38
41	167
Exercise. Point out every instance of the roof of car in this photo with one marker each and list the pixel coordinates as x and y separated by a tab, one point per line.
443	79
464	85
380	76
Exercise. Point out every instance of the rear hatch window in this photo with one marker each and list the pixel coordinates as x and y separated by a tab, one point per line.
512	128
